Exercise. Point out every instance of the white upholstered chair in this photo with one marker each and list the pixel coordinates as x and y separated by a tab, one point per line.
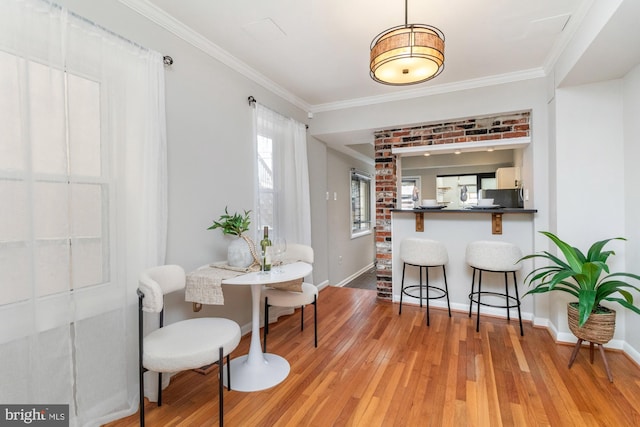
283	298
183	345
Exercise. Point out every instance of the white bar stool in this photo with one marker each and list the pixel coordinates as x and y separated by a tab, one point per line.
494	257
424	253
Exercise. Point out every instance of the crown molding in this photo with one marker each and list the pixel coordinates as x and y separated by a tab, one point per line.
168	22
432	90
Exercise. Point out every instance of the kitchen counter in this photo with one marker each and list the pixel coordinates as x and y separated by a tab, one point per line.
469	210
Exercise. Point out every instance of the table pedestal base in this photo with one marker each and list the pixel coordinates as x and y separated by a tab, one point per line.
245	377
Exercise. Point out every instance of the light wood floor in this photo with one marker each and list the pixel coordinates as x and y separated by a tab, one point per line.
373	367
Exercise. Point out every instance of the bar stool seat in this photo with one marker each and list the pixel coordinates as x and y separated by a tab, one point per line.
424	253
494	257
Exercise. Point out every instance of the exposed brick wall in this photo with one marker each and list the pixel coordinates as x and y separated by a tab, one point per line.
501	126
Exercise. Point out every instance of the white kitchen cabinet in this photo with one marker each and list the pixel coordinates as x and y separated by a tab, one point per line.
508	178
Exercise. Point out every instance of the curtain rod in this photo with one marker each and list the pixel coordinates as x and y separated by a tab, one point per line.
167	60
252	101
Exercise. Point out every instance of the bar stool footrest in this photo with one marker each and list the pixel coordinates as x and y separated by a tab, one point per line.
441	292
513	302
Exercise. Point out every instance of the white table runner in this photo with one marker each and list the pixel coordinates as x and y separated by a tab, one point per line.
204	285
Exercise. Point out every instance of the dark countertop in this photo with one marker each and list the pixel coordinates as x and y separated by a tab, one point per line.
469	210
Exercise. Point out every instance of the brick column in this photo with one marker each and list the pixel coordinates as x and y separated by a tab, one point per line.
386	196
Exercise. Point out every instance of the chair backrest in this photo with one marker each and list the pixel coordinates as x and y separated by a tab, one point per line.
155	282
298	252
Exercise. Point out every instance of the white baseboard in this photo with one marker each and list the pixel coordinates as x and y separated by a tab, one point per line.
569	338
631	352
354	275
323	285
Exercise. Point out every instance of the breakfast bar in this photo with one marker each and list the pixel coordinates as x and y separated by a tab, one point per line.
455	228
497	214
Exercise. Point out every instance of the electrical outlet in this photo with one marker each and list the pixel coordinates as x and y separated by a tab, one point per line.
340	259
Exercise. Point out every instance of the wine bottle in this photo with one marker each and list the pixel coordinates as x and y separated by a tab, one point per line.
265	244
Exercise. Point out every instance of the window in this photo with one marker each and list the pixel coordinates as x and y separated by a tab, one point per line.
360	203
282	180
55	183
266	189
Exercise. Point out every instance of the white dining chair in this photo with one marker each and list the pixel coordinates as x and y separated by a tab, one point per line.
307	294
183	345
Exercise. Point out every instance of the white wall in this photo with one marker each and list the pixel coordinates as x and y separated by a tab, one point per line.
631	112
543	301
590	187
346	256
317	153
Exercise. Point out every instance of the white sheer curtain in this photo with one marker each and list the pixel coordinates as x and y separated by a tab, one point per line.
282	200
83	195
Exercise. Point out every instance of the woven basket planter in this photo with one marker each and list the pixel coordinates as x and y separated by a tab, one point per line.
599	327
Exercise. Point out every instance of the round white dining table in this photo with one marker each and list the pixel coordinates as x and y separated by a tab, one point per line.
257	370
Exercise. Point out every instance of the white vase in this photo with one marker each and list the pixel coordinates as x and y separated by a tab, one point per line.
239	254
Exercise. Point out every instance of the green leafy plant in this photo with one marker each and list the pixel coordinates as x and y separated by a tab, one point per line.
235	224
588	283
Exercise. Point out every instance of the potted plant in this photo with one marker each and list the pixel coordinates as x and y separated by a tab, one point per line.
241	252
587	286
587	278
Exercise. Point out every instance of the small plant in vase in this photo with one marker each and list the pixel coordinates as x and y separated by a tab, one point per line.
239	254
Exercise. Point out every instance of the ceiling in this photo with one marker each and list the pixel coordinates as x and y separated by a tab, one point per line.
318	50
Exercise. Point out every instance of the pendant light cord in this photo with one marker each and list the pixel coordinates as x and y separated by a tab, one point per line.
406	13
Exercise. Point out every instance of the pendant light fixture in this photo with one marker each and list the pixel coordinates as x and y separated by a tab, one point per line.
407	54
